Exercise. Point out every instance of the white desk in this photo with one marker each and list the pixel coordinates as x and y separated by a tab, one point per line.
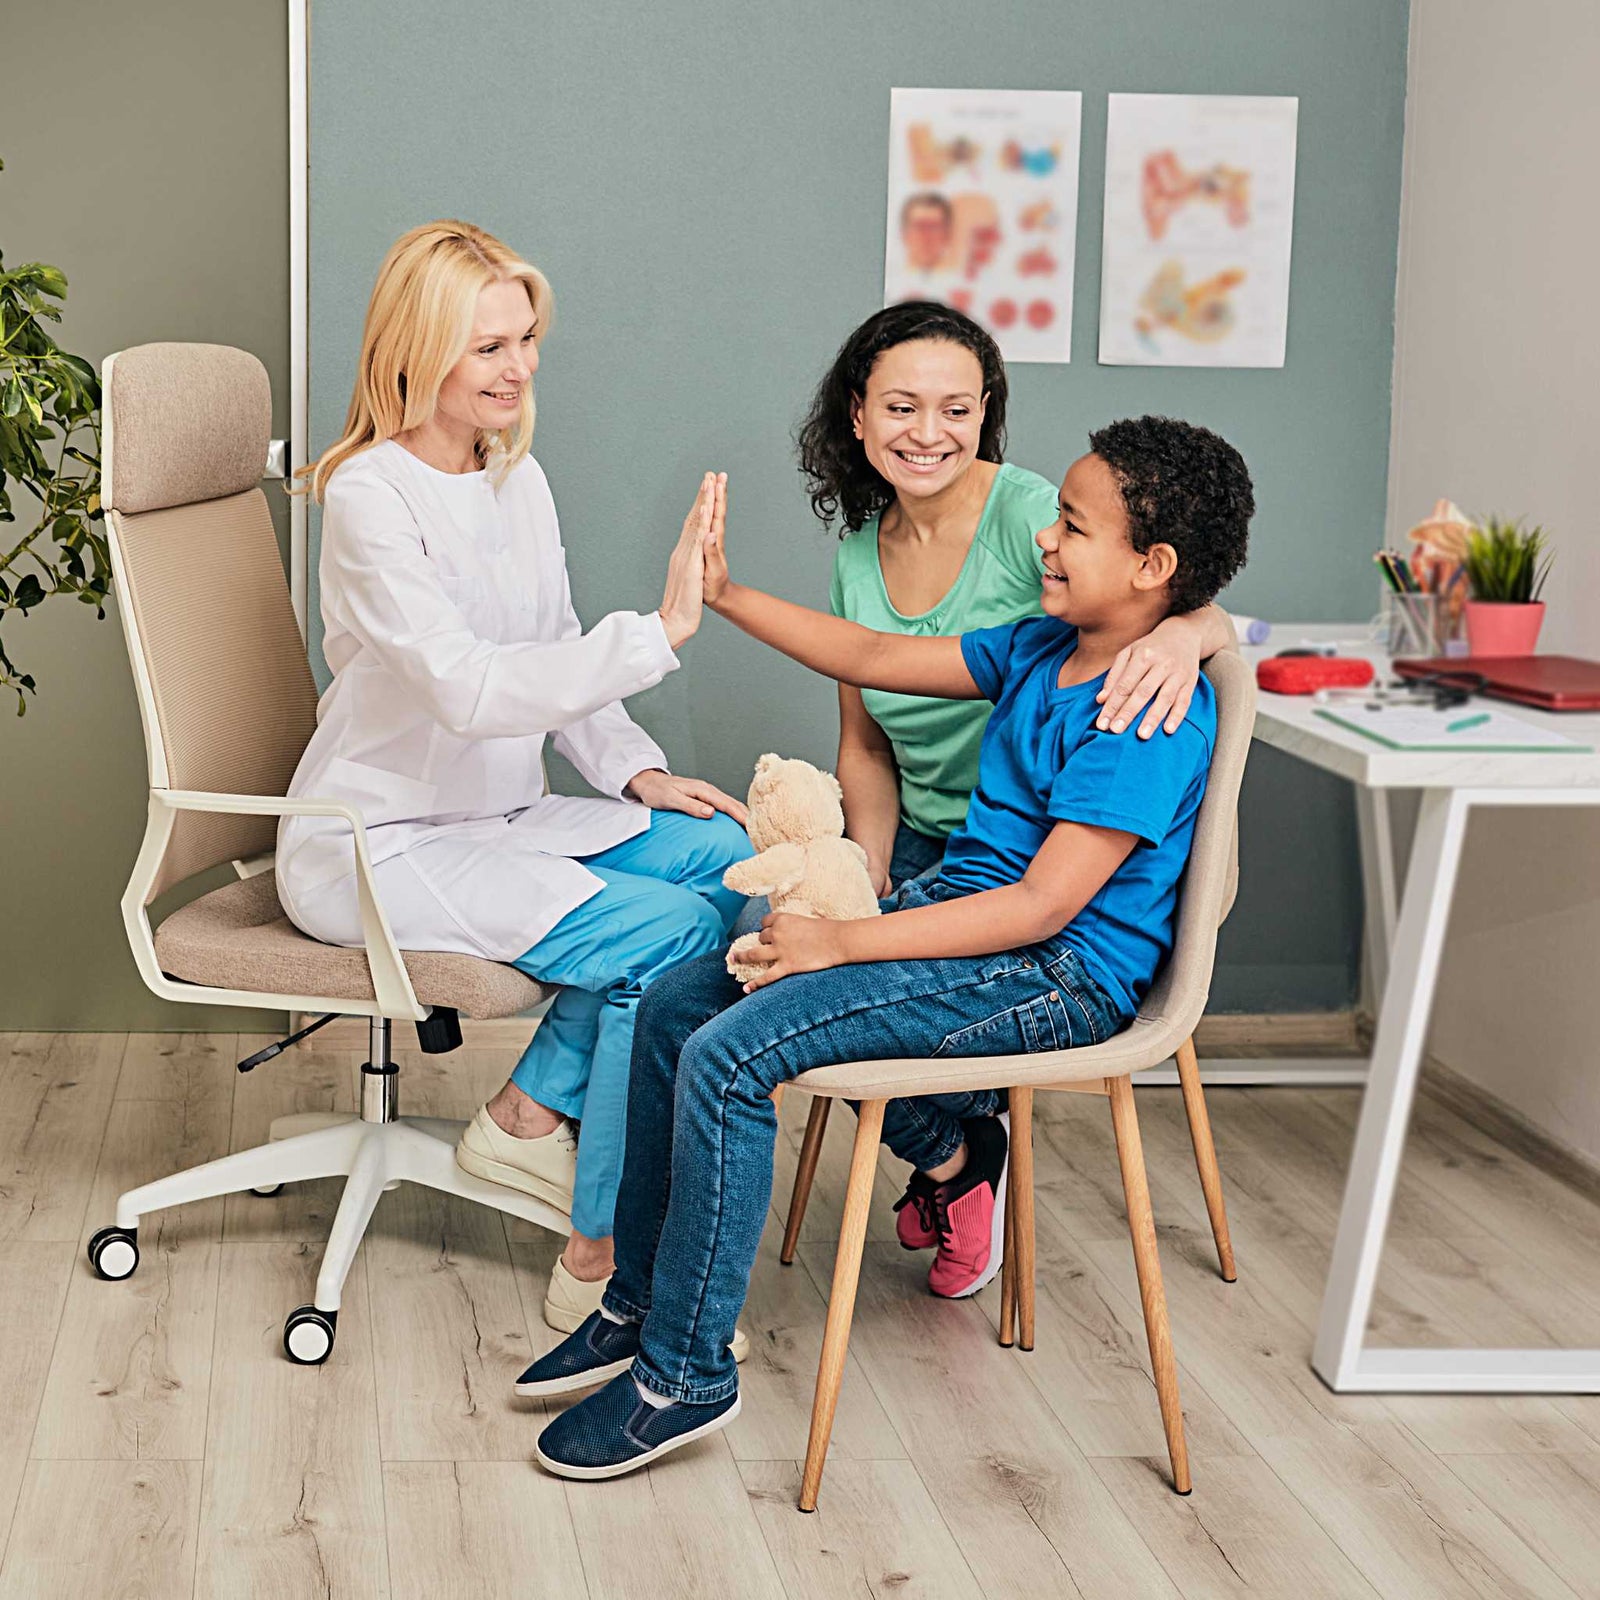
1405	937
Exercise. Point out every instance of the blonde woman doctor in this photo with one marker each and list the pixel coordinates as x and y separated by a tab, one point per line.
455	651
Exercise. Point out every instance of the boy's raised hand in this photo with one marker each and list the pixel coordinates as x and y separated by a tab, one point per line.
716	579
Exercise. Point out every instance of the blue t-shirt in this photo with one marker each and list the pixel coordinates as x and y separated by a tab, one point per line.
1043	761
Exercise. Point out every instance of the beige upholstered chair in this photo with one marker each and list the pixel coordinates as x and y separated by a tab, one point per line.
228	703
1164	1027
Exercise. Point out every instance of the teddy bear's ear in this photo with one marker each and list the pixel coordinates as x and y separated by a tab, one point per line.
767	763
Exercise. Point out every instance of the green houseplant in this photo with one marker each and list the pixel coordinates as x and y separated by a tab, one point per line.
1506	567
50	450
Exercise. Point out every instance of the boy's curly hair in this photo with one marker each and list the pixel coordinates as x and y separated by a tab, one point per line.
1185	486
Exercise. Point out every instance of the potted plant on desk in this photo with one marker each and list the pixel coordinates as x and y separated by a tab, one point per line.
1506	568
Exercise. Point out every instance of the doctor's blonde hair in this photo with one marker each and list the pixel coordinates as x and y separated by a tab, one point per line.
419	322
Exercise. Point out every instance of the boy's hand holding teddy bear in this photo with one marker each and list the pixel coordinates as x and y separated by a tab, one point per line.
805	867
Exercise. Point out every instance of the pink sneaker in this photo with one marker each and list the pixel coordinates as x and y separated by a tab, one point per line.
970	1215
913	1215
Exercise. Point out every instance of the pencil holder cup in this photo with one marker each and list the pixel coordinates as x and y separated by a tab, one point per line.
1419	625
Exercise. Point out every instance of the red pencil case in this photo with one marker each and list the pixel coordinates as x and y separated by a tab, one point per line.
1307	674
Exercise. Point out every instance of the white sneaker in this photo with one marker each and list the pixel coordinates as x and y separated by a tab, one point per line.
545	1167
569	1302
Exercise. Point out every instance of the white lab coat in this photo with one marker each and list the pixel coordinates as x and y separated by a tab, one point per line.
455	650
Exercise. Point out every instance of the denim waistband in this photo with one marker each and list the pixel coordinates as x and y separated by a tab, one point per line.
923	892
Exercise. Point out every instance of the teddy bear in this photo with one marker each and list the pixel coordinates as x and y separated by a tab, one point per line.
804	865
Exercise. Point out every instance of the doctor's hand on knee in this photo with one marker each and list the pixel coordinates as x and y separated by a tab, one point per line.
664	791
683	600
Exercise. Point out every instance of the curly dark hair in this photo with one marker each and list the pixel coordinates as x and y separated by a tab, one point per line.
1185	486
843	484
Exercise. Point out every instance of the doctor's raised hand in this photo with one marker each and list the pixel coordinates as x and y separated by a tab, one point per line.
681	602
681	610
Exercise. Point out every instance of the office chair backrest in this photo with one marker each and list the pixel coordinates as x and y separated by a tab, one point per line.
1211	879
225	693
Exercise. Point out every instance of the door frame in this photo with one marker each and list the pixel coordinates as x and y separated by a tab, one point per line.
299	16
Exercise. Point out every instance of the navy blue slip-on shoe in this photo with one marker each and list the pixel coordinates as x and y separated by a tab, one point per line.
596	1350
613	1431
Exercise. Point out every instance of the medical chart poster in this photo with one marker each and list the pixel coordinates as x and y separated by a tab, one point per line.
1199	222
983	210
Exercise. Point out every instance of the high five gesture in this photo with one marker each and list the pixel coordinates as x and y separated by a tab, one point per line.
682	601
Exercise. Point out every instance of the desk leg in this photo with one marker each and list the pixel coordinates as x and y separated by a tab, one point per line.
1338	1356
1380	891
1386	1108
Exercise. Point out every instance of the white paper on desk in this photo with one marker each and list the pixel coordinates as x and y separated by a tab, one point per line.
1402	727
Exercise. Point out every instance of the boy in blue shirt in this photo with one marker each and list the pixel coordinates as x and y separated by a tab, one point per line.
1045	927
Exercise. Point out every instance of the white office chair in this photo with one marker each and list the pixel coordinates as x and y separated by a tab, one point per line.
228	703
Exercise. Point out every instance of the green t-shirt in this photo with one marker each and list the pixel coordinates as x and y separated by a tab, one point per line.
936	741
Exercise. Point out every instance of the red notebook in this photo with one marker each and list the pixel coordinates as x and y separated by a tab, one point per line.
1550	683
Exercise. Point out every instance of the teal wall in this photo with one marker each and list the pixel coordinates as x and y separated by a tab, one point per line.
703	183
146	152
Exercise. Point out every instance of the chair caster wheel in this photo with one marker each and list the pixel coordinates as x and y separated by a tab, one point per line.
114	1253
267	1190
308	1335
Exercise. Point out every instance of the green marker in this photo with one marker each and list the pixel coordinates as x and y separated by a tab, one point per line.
1467	722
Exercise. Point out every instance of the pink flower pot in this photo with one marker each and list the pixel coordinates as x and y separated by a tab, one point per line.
1503	628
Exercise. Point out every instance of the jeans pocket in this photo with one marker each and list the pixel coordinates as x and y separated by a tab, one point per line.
1007	964
1042	1023
1093	1017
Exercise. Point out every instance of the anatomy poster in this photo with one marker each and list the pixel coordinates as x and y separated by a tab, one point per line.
1199	219
983	210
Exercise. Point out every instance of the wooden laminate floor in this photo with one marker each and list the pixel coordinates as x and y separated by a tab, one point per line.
154	1442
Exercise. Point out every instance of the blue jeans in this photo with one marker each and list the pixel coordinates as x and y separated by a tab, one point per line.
663	903
916	855
697	1178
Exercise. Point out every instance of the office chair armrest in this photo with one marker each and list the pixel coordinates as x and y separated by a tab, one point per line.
391	983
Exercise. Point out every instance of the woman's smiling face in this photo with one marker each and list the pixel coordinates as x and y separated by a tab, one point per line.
486	388
921	417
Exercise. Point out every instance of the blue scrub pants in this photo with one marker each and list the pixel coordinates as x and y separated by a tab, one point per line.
663	903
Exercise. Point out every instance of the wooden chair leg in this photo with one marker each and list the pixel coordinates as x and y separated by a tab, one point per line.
1021	1186
1008	1267
1152	1296
1205	1156
842	1296
810	1149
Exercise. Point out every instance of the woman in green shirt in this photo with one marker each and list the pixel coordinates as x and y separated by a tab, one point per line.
903	446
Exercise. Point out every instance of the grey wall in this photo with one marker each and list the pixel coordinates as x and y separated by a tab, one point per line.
702	180
145	151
